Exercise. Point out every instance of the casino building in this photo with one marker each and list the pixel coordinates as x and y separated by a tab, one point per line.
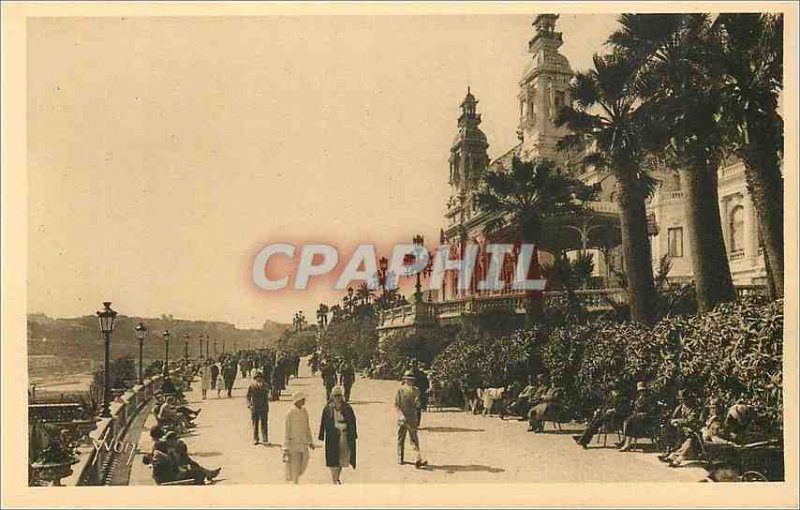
543	89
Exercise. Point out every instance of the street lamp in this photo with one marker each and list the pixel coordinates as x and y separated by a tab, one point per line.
186	345
208	353
418	241
106	316
166	335
383	267
141	334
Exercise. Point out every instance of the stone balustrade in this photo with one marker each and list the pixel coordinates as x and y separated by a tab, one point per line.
446	311
595	300
95	462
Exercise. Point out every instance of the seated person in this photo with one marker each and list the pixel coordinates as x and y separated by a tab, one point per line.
186	411
712	433
522	403
168	388
684	420
169	416
609	414
547	407
171	461
641	420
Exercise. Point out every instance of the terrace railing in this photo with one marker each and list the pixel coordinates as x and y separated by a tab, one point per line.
595	300
95	463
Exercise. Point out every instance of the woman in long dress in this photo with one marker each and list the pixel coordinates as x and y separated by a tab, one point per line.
338	430
205	378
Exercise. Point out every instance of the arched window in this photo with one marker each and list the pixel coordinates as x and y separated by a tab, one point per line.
737	228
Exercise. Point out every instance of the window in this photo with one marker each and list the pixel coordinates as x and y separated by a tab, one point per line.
559	100
675	239
737	228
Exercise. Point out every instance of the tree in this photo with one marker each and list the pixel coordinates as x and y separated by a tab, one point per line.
752	82
678	81
606	116
529	194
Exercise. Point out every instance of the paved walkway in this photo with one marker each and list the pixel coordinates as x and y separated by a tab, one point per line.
460	447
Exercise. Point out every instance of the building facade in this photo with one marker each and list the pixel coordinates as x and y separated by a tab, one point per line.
543	90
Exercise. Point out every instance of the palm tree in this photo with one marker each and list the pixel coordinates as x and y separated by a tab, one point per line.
364	293
678	80
606	115
528	195
752	82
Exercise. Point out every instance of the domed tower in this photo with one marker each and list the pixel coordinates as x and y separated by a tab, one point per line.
543	91
468	158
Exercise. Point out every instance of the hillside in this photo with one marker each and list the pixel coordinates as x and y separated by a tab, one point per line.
80	337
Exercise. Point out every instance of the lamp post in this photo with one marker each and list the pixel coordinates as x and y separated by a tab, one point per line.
166	335
215	348
200	338
141	334
186	345
418	241
383	267
106	316
208	353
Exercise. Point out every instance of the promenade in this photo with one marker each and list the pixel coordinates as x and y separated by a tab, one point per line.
460	447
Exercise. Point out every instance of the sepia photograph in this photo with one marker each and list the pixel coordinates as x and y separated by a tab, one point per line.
353	247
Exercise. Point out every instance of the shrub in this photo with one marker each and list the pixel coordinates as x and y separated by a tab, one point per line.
733	352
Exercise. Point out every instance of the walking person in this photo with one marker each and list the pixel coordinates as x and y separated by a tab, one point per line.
297	439
205	379
422	383
328	373
258	403
407	403
348	376
216	377
229	375
277	382
338	429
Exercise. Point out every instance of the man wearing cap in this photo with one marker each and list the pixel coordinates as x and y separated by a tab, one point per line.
258	403
297	439
407	403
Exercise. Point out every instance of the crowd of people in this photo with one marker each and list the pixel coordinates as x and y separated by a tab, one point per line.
681	432
270	371
267	369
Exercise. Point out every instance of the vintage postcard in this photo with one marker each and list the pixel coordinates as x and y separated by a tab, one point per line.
408	254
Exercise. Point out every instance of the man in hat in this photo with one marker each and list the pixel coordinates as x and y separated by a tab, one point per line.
641	420
407	403
171	461
258	403
608	414
297	439
348	376
328	374
684	420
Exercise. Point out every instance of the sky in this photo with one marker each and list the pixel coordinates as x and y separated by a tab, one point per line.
163	153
